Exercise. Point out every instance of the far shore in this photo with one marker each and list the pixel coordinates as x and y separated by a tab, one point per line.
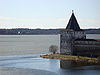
73	58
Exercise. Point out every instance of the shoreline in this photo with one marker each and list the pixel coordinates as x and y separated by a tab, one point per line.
72	58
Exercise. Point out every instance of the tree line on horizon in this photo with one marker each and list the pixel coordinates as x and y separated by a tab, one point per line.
26	31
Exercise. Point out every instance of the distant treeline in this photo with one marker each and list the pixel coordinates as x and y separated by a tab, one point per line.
25	31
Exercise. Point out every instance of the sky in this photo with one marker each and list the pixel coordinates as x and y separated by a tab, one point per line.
48	14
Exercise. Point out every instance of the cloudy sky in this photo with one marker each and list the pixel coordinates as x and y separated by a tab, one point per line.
46	14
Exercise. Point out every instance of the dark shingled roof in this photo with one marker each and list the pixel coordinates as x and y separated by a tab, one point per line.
73	24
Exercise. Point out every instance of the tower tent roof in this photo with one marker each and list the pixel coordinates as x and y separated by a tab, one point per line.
73	24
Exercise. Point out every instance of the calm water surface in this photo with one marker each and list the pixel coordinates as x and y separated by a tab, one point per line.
30	44
93	36
33	65
27	44
24	61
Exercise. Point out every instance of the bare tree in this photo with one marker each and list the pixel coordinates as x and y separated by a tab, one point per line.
53	49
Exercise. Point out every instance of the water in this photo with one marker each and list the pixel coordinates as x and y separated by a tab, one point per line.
27	44
93	36
20	53
30	44
34	64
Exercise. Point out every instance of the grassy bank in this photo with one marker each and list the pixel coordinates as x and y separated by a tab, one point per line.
73	58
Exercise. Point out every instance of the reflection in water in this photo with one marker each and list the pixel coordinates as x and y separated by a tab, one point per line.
78	68
28	64
65	64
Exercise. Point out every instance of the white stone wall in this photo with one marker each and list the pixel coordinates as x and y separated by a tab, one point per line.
67	40
79	35
65	45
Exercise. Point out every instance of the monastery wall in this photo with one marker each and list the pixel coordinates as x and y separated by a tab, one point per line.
87	48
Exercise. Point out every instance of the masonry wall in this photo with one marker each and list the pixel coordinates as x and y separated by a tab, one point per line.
67	38
66	43
87	48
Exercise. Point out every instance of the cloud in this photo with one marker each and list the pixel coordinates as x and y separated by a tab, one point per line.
6	18
31	19
13	22
13	19
89	23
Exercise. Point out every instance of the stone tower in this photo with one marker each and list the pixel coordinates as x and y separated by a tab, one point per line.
68	35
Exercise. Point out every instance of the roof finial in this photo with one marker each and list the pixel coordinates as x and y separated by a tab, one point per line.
72	11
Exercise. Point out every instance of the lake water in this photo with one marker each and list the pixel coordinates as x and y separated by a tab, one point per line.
30	44
34	65
19	55
27	44
93	36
